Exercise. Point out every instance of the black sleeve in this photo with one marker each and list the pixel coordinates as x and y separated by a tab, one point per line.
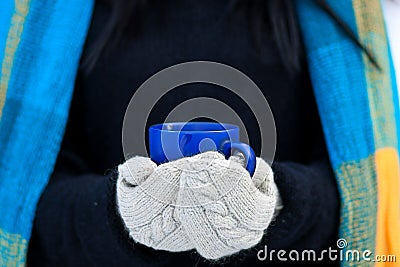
310	217
311	213
77	224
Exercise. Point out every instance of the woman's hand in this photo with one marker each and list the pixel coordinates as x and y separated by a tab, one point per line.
204	202
146	197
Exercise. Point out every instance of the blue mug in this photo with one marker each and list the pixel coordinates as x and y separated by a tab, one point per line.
171	141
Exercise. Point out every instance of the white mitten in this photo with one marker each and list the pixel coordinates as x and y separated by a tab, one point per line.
145	196
222	209
204	202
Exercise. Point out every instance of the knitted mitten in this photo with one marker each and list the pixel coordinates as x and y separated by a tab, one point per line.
221	206
204	202
145	198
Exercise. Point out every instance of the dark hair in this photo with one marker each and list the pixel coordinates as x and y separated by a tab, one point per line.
279	15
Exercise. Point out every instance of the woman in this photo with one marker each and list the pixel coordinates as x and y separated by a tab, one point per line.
238	34
78	221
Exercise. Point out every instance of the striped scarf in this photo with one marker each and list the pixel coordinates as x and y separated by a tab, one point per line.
40	46
358	107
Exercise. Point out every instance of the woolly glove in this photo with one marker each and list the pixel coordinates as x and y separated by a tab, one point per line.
204	202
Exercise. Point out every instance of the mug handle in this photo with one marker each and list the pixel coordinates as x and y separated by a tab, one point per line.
246	150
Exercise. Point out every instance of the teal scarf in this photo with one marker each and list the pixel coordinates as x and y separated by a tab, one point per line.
40	46
358	107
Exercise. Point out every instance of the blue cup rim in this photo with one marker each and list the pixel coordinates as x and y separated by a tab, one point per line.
170	127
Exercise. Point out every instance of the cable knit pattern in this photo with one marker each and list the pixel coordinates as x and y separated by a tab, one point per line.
204	202
145	197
